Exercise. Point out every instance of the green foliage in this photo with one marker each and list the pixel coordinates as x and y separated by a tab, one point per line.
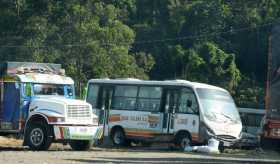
207	63
207	41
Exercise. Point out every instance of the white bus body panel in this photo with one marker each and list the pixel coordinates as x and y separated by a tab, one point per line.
136	123
187	122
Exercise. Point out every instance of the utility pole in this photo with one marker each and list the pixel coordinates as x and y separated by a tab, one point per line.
269	62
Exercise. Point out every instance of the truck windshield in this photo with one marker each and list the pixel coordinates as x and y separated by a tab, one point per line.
218	105
53	89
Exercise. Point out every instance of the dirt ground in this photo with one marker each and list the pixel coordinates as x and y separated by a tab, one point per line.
12	152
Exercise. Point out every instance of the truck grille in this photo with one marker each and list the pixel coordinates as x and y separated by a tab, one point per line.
78	111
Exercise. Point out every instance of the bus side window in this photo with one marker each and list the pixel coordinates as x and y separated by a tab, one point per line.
125	98
251	120
187	102
92	95
149	99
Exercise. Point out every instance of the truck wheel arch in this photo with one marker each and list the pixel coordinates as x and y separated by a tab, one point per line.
36	118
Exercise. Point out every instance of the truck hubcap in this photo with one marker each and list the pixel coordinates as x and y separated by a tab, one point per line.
36	136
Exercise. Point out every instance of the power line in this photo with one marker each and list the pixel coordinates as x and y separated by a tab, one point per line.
231	31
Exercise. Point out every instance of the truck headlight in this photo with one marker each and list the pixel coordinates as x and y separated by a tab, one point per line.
95	120
56	119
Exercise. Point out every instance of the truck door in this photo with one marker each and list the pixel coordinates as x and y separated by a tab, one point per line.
171	101
11	106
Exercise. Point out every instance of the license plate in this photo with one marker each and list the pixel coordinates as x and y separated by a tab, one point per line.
83	130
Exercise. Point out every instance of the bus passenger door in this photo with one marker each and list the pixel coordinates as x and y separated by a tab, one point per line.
187	114
171	99
107	94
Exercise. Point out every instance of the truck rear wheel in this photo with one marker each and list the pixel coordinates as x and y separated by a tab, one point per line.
37	137
80	145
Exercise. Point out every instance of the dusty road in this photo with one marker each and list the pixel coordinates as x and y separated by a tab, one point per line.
11	152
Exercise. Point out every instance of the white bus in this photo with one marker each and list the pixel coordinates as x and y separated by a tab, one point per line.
176	111
251	119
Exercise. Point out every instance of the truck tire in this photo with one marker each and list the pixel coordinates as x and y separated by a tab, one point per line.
80	145
182	140
37	137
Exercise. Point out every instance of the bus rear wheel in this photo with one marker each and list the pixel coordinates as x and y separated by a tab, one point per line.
37	138
80	145
118	137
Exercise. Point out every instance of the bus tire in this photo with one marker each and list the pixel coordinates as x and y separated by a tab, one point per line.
37	137
183	140
118	137
80	145
146	143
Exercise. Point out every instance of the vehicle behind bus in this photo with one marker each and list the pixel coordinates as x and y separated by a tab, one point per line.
37	103
251	120
177	111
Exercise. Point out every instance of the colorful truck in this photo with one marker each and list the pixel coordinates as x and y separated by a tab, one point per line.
270	125
37	103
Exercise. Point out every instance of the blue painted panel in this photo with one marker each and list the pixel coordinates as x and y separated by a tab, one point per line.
11	104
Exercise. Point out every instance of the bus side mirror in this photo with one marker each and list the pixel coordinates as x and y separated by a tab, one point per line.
189	103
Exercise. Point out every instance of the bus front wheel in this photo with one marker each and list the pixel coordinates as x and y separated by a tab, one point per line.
183	140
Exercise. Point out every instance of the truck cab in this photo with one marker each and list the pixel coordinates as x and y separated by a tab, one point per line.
37	102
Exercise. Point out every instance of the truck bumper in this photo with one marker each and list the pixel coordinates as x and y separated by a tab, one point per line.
77	132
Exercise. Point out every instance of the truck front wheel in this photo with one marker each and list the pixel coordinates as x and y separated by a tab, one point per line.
80	145
37	137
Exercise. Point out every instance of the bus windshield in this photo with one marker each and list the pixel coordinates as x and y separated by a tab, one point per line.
53	89
218	105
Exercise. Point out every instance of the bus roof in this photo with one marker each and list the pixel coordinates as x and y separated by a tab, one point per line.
161	83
